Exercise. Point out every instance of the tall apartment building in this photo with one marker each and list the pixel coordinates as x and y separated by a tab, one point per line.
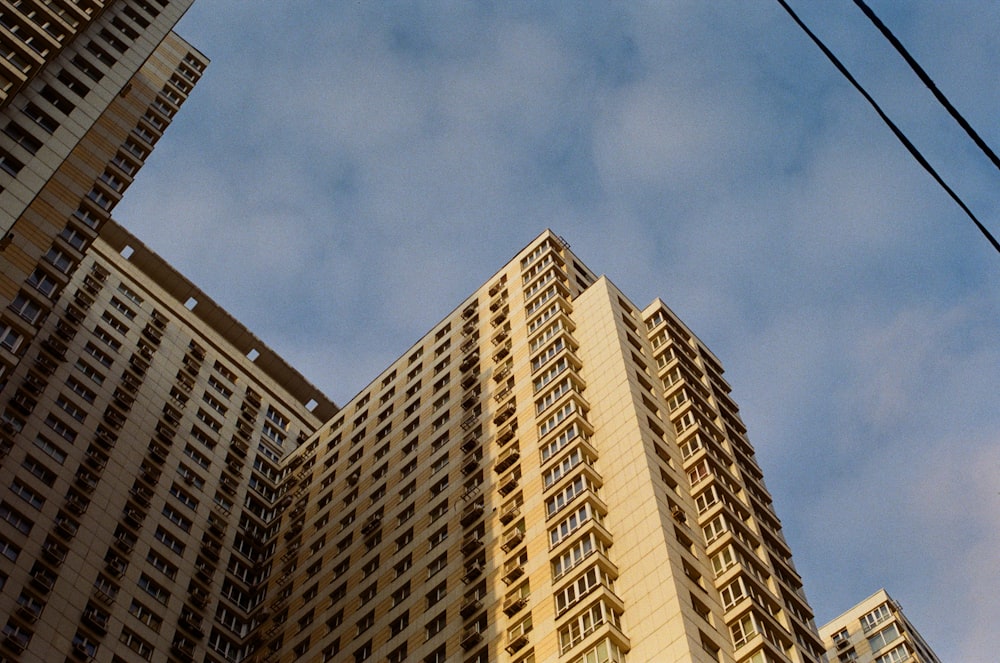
875	631
142	442
551	474
86	89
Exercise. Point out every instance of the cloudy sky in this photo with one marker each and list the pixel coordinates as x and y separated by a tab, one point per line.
346	173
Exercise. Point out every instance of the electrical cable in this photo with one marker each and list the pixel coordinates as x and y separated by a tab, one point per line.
914	152
926	80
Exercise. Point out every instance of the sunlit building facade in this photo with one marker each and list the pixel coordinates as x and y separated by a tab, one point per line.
875	631
551	473
142	443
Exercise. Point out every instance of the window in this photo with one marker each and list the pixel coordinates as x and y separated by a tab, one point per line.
176	518
743	630
397	655
436	625
883	637
363	653
404	539
196	456
439	655
10	340
42	282
439	510
9	550
71	408
560	415
135	643
439	464
35	500
895	655
439	536
77	387
60	428
145	615
51	449
169	541
570	524
438	564
566	495
27	308
553	474
89	371
584	624
366	622
875	617
369	593
401	594
161	565
403	565
438	593
38	470
16	519
439	487
155	590
183	497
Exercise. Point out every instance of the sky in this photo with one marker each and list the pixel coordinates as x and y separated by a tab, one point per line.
347	172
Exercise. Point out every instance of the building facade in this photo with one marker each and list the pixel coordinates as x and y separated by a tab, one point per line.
88	86
551	474
142	442
875	631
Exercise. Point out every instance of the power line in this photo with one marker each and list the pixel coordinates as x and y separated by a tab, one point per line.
914	152
926	79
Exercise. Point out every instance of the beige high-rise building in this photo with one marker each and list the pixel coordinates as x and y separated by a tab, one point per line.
142	445
875	631
86	89
550	474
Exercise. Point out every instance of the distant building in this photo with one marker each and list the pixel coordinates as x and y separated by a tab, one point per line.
875	631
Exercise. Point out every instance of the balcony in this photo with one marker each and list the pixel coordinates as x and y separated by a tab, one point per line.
53	553
512	574
507	459
471	544
97	620
513	604
508	484
43	581
470	443
469	361
512	540
472	571
516	644
116	566
509	512
471	513
470	606
471	638
507	434
86	481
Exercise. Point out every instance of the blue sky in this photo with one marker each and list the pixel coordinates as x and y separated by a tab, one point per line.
346	173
